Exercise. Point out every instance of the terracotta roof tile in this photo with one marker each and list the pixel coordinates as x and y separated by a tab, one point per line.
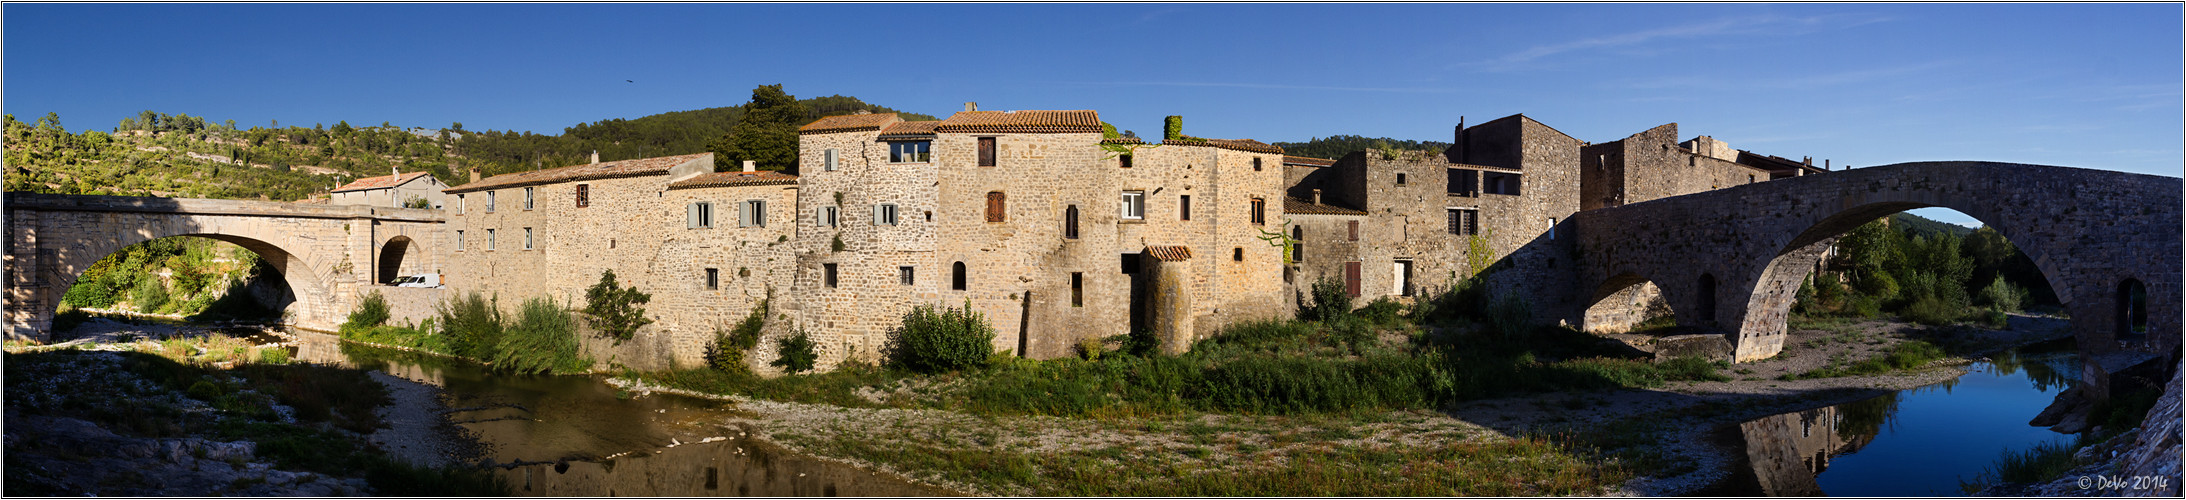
1307	161
848	123
1123	140
1029	121
1302	207
381	182
925	128
1169	253
607	170
724	179
1246	145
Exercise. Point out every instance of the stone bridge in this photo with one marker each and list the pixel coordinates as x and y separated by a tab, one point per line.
1733	259
326	254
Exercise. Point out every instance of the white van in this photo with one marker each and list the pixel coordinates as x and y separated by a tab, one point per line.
428	280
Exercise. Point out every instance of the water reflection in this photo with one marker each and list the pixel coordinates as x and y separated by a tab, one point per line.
1916	442
577	436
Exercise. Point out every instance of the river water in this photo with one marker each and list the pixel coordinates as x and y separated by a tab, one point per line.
579	436
1916	442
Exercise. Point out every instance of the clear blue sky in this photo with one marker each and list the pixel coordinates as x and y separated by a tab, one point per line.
1863	84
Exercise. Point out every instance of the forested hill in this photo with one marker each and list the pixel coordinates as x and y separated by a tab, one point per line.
1335	147
184	156
1914	225
665	134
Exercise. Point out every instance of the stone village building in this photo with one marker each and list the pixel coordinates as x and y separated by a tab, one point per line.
390	190
1054	232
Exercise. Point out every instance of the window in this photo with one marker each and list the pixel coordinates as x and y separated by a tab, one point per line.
956	276
1353	227
1464	221
826	216
910	152
1124	160
1237	254
1403	278
884	214
1184	207
527	198
1400	178
489	239
459	240
1499	183
527	238
1463	182
490	199
1077	289
1552	229
2132	312
1070	222
905	274
584	195
1256	164
1298	244
986	151
997	211
698	215
459	204
1351	279
752	213
713	278
828	159
828	274
1134	205
1259	211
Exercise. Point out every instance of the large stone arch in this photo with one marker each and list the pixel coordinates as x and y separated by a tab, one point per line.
1627	299
308	276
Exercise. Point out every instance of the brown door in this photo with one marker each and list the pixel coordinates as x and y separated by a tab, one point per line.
1351	278
995	210
986	151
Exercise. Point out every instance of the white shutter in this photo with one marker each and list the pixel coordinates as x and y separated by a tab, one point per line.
830	160
876	215
690	216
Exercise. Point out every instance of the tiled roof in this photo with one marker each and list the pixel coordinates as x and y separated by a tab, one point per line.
381	182
1123	140
608	170
1307	161
1169	253
848	123
1030	121
909	128
1296	206
1246	145
723	179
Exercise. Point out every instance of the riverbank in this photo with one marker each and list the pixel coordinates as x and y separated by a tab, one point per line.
1585	442
167	409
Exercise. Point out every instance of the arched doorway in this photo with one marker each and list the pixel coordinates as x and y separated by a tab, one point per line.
391	260
2132	306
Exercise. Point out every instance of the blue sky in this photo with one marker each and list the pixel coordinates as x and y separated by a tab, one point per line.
2093	86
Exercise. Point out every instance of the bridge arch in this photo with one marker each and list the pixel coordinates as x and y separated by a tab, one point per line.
397	257
307	279
1625	301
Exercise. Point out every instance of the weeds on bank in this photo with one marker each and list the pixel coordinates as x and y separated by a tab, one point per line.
1903	356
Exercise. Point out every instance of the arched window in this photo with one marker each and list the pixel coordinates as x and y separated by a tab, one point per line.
2132	310
956	276
1070	222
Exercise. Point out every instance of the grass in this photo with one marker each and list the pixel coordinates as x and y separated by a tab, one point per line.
1903	356
2039	463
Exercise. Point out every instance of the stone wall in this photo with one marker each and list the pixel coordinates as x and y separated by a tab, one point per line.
409	305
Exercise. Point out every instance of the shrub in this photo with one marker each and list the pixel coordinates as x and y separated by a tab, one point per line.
1140	342
2003	295
615	310
729	348
89	293
370	312
1930	311
1510	316
473	325
543	340
934	340
150	294
795	353
1330	301
1863	306
1351	331
1090	348
1382	311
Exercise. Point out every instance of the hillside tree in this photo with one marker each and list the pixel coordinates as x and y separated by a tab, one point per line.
767	135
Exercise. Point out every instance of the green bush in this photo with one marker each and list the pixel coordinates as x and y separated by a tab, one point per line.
89	293
1382	311
935	340
2002	295
370	312
67	321
615	310
1511	316
1350	331
1863	306
543	340
150	294
729	348
1330	301
795	354
1931	311
1260	332
472	325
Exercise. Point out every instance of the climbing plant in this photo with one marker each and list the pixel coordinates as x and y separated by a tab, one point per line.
1280	239
1477	254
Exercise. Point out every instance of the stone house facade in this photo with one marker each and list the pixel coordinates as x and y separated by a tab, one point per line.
391	190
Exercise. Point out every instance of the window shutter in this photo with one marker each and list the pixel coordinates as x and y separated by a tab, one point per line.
761	208
830	160
996	211
986	151
1351	278
690	216
876	215
1354	227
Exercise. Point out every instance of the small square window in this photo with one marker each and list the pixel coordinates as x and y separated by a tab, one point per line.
1124	160
910	152
907	274
1400	178
527	238
828	274
713	278
1184	207
1134	205
884	214
1237	254
584	195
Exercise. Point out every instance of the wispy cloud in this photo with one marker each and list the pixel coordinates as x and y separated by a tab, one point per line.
1774	25
1272	86
1794	82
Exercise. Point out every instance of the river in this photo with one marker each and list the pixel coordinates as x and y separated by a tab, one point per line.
1915	442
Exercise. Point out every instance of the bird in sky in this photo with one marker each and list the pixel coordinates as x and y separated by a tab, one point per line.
631	81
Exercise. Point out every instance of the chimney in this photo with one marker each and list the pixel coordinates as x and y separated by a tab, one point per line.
749	166
395	169
474	174
1825	164
595	157
1809	161
1316	196
971	106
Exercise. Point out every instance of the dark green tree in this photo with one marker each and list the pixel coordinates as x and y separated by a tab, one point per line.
615	310
767	135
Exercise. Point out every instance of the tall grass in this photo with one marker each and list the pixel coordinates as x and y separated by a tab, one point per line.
2039	463
543	340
